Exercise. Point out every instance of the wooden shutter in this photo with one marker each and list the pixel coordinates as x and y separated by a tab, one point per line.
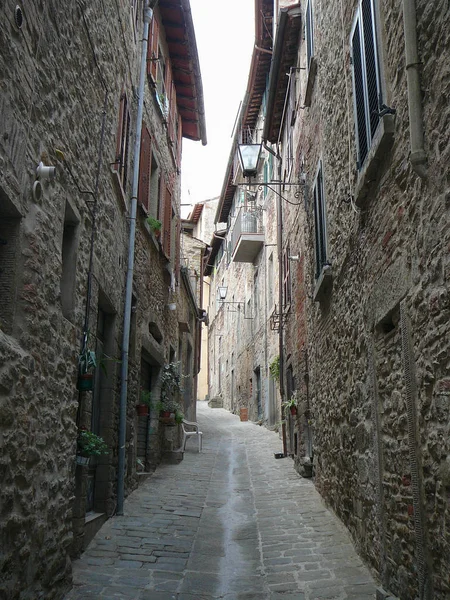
180	139
319	223
169	93
178	250
167	222
153	50
122	143
162	199
145	163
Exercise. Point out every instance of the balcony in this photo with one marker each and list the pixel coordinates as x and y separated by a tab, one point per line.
247	237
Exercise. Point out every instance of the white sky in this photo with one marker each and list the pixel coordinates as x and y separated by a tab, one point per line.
225	37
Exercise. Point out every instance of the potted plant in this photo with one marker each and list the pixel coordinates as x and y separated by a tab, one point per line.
87	362
155	226
168	407
90	444
143	408
291	404
179	417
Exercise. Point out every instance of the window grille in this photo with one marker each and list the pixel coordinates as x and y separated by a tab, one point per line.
366	78
320	223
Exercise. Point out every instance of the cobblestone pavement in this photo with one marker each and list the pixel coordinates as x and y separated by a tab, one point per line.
232	523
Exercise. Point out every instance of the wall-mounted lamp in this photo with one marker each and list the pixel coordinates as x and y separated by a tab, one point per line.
44	172
248	158
222	292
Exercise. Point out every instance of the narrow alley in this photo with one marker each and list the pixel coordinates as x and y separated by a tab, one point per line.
232	522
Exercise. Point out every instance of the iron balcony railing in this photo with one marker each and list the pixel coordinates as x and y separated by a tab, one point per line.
248	221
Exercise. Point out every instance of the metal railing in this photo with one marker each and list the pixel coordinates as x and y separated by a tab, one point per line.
247	221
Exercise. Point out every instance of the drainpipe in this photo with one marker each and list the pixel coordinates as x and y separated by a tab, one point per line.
129	285
417	156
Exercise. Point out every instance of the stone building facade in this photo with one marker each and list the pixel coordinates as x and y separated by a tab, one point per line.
69	103
359	127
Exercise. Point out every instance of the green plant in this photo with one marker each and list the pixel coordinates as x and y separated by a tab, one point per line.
154	224
87	361
171	383
146	398
292	402
90	444
274	368
179	417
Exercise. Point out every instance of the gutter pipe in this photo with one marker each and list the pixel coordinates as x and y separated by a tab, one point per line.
418	157
148	13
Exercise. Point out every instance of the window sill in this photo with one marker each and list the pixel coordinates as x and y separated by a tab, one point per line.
324	284
382	142
310	83
119	188
151	235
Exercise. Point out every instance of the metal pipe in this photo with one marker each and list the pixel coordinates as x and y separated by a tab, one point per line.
129	284
417	157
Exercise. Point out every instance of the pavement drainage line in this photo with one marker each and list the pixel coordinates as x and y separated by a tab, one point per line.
210	487
227	532
262	570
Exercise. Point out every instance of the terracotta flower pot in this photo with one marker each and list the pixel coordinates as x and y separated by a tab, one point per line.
293	410
142	410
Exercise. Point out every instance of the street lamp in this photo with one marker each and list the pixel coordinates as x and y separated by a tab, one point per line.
222	292
248	157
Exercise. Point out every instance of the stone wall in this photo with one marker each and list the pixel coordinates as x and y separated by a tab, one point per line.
55	71
378	343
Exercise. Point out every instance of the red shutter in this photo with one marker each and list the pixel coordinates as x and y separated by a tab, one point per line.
145	162
153	46
180	139
167	222
177	250
162	204
168	85
173	116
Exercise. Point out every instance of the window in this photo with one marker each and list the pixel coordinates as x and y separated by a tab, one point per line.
167	220
287	288
155	188
270	282
309	34
255	297
145	161
9	253
69	262
153	50
123	142
366	78
319	223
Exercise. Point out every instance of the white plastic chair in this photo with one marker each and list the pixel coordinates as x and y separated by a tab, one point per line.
190	428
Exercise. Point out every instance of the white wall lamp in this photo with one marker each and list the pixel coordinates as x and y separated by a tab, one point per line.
44	172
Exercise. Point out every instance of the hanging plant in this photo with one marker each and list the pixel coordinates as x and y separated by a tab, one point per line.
274	368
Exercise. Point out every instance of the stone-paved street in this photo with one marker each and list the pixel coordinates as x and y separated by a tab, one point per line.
232	522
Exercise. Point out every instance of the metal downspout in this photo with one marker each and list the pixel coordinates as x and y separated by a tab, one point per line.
417	157
129	284
280	298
